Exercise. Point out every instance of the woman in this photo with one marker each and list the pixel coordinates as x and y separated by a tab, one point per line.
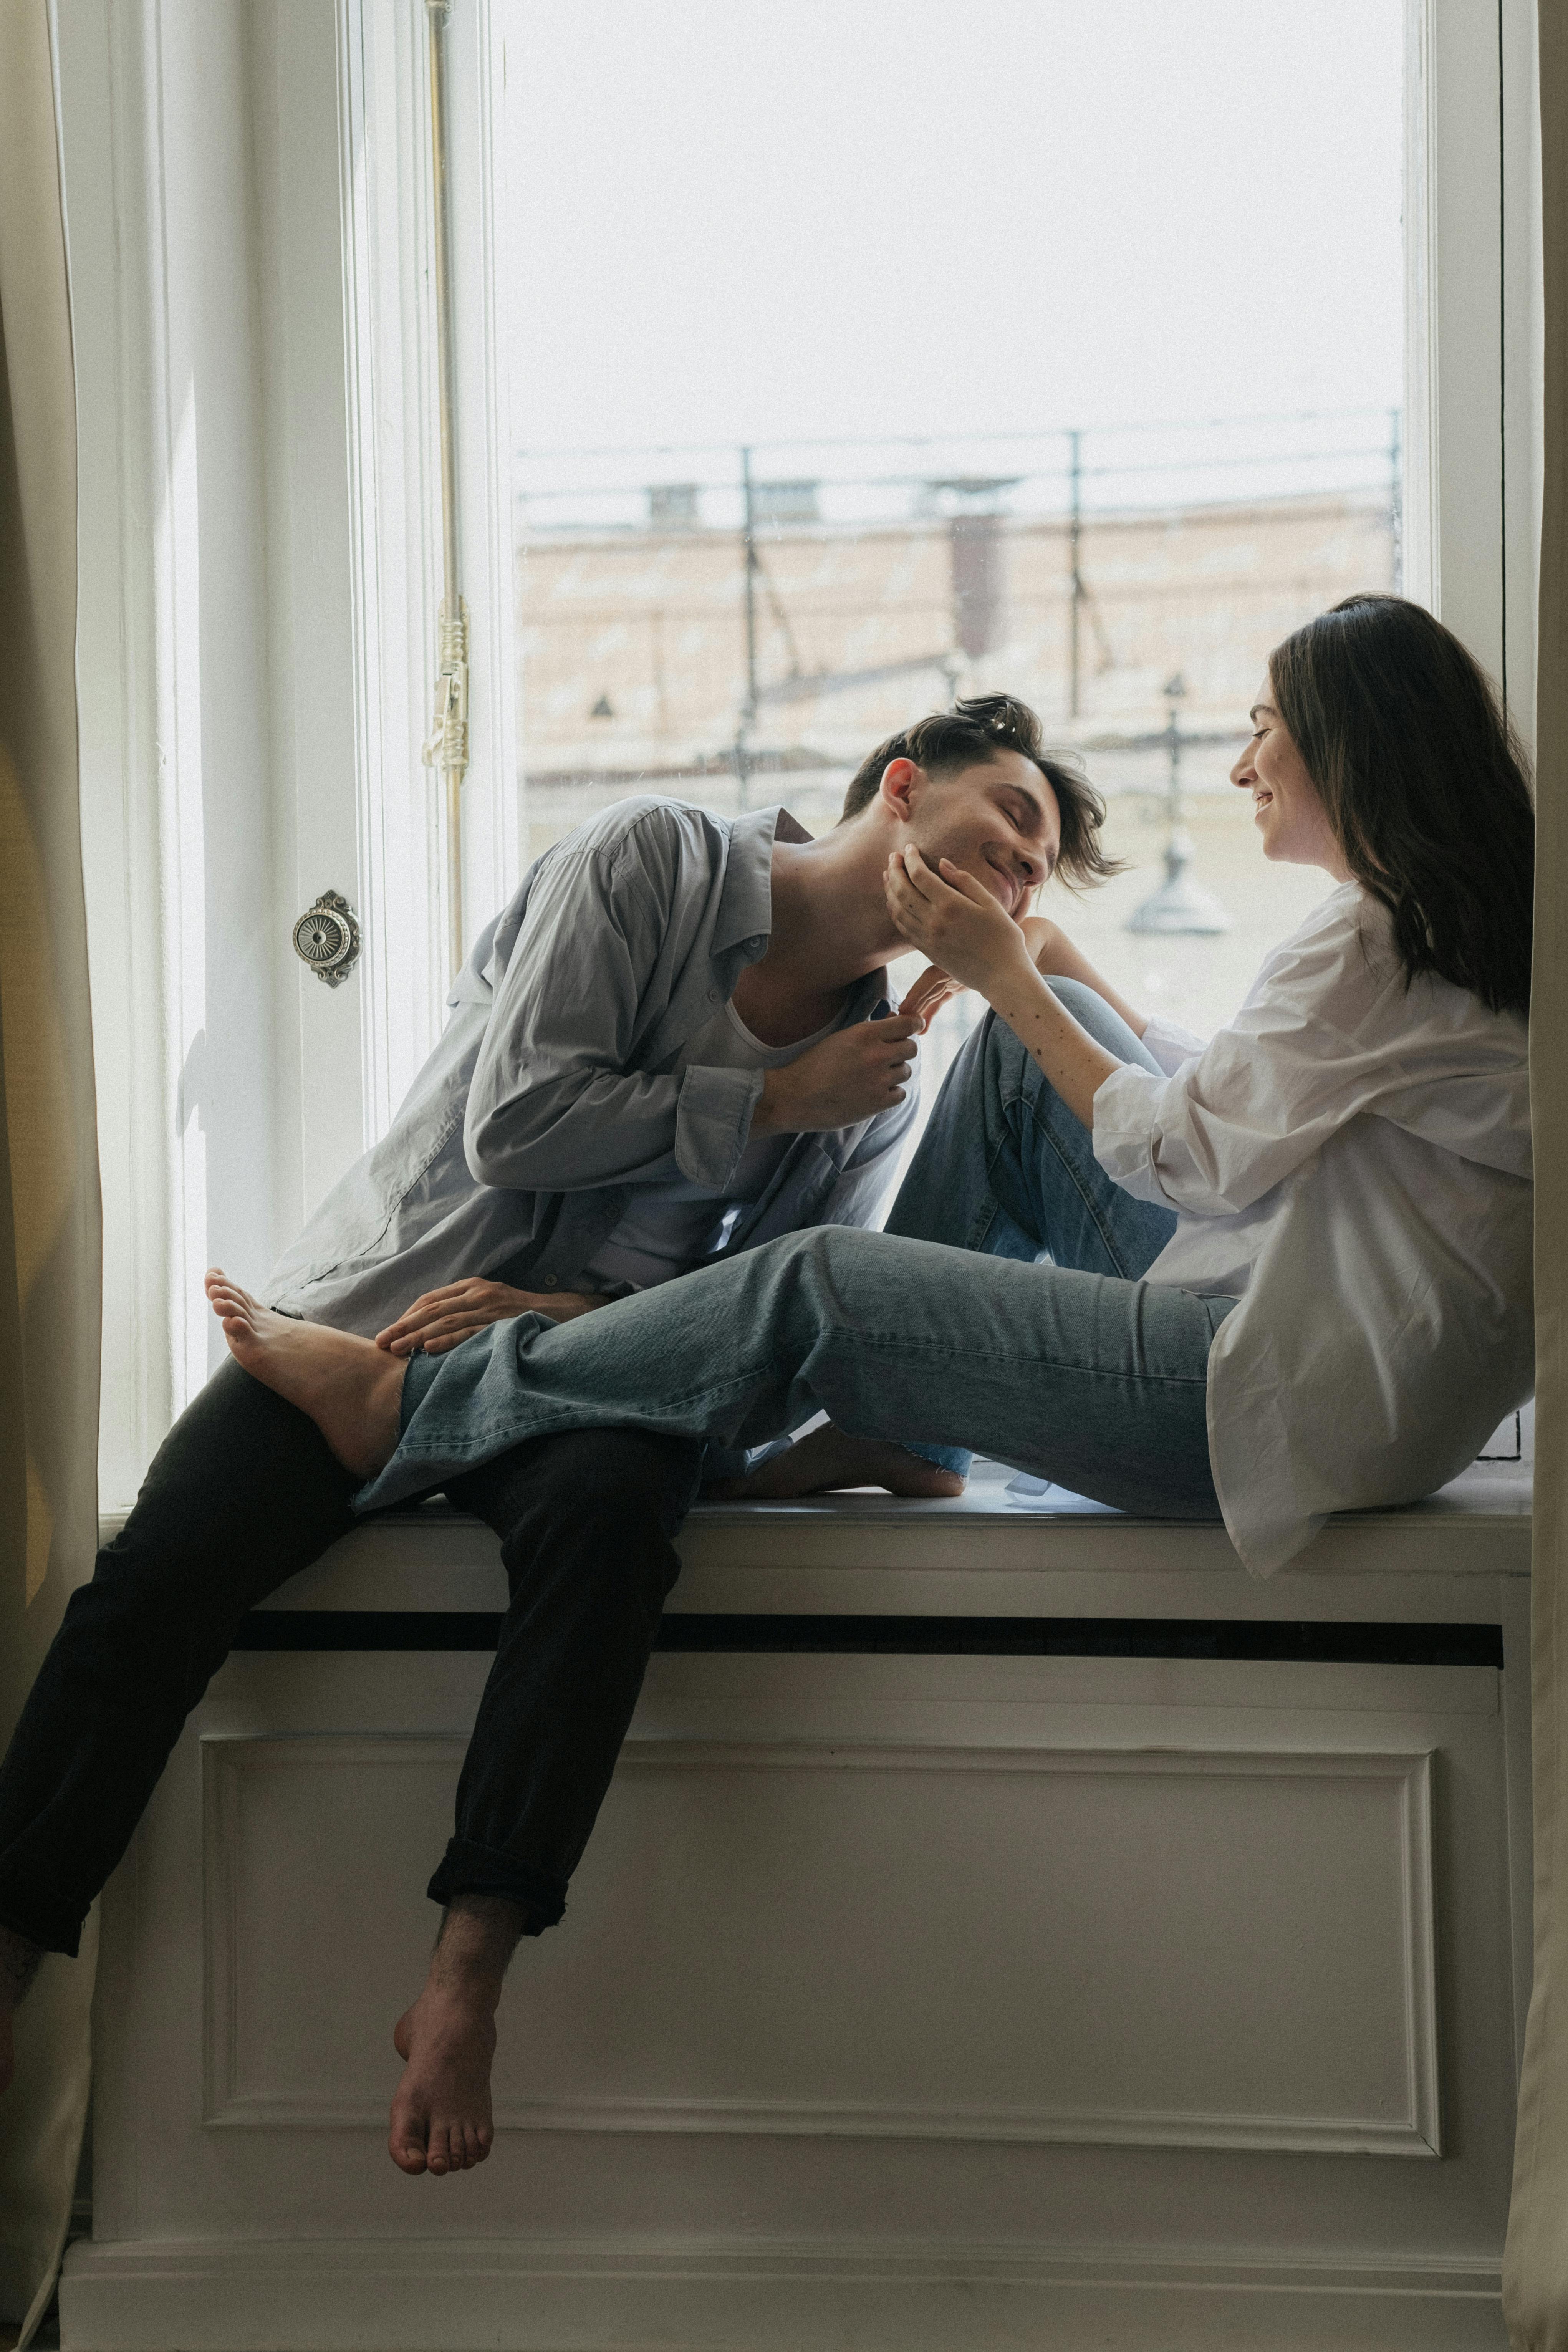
1291	1268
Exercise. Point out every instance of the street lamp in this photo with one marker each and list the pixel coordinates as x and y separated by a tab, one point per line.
1178	906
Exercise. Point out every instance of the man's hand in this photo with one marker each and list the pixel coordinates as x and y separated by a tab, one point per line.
851	1076
954	920
441	1318
928	995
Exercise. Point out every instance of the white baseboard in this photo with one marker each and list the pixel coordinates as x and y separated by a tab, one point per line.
621	2295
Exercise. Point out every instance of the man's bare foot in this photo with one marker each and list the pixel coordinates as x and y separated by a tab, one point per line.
441	2112
826	1459
18	1966
351	1389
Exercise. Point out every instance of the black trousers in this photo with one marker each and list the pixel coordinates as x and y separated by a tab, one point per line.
242	1494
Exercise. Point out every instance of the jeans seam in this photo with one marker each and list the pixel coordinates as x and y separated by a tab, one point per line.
883	1341
1020	1099
458	1442
985	1218
948	1354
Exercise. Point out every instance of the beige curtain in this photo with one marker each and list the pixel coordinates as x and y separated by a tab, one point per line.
1535	2266
49	1245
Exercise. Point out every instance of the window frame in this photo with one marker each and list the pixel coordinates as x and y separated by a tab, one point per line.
394	462
317	241
1472	331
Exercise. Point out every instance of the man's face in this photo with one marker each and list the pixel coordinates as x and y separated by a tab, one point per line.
999	821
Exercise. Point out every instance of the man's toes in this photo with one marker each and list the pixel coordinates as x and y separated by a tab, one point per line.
438	2151
408	2131
483	2135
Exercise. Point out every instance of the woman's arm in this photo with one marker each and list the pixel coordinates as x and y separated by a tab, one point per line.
1050	951
955	921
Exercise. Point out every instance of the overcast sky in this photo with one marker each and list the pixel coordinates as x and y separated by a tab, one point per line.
876	217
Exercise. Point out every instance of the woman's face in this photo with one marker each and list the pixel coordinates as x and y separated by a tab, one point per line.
1286	810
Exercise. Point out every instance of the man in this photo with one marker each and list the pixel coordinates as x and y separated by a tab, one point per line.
667	1048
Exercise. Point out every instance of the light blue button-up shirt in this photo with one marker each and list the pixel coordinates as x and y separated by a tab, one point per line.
553	1093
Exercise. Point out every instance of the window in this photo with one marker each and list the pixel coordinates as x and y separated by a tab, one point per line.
828	411
949	306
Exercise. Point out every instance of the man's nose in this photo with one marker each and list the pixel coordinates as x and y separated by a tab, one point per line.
1032	869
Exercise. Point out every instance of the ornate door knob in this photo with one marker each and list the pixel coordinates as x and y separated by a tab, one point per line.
326	936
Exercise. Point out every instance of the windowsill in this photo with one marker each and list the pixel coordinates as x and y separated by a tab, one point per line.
981	1551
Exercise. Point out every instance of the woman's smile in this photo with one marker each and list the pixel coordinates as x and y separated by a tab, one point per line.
1285	806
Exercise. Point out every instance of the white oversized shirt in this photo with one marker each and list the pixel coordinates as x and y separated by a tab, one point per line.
1350	1159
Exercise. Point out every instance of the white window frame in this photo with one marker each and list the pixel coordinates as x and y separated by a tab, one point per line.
393	459
248	209
1472	330
257	541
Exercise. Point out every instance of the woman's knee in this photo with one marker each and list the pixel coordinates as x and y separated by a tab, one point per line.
1090	1011
1006	1062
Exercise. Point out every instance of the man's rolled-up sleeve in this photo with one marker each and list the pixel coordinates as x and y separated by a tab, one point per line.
713	1122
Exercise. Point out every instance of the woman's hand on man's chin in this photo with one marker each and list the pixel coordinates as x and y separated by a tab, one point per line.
954	919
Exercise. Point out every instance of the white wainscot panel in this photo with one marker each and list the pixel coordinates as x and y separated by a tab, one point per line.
1155	1947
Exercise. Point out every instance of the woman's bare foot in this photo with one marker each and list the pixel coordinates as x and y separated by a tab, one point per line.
351	1389
826	1459
441	2111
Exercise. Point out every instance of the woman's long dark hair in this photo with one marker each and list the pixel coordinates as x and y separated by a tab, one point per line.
1425	782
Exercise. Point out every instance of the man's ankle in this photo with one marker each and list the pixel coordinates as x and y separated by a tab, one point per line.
19	1961
478	1937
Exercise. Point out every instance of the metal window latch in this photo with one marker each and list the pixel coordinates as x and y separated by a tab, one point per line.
446	745
326	936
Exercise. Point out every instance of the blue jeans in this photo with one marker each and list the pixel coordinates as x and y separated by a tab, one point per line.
1076	1372
1005	1169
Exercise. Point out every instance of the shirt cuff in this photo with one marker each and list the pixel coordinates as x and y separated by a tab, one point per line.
714	1121
1170	1044
1126	1108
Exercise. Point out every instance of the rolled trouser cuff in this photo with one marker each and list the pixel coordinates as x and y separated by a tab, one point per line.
957	1458
42	1919
468	1868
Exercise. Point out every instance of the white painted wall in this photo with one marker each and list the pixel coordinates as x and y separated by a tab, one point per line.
1152	1986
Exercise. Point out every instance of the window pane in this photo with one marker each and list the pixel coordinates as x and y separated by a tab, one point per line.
867	356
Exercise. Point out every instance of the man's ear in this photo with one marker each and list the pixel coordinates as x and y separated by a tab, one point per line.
900	779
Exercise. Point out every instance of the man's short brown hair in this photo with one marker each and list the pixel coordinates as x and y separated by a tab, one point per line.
971	735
